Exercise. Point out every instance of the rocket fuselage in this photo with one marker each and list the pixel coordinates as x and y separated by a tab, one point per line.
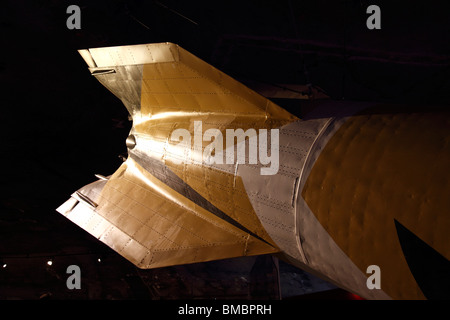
353	188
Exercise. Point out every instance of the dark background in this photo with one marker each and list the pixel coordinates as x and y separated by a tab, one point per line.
59	126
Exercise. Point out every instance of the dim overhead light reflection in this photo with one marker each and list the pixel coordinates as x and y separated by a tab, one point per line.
49	262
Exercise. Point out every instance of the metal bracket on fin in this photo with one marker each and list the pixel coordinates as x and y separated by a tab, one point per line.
85	199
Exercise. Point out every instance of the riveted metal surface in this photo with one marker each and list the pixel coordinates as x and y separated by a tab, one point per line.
379	167
342	179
